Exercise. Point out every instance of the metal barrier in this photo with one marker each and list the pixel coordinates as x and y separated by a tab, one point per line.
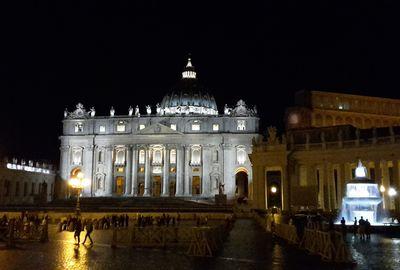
15	232
287	232
329	245
201	241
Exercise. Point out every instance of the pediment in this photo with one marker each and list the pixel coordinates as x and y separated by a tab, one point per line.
158	129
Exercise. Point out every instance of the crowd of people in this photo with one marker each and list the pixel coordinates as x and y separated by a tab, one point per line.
104	223
363	228
163	220
27	225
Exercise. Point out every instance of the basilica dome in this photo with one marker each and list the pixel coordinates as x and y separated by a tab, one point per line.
188	96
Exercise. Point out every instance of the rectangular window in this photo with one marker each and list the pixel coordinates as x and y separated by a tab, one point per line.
173	126
120	169
121	126
102	129
215	127
33	189
172	156
195	127
141	126
241	125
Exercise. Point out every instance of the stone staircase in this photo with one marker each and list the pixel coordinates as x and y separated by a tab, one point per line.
139	204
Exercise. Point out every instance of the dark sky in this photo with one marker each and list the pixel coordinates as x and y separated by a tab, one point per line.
57	53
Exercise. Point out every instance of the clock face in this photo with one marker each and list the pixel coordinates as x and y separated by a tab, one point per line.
293	118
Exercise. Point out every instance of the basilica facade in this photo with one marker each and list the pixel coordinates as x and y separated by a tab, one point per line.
183	147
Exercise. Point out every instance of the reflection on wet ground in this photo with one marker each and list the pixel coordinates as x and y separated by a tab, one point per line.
247	247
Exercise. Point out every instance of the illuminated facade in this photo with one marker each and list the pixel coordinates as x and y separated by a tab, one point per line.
183	148
26	182
311	163
322	109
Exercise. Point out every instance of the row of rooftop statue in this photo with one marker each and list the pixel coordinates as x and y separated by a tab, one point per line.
241	109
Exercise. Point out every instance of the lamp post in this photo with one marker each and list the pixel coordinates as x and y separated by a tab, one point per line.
392	193
78	182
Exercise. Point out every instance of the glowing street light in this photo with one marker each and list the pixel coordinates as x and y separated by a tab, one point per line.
78	182
382	189
274	189
392	192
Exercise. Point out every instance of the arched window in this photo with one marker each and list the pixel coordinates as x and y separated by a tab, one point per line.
241	155
196	155
172	156
77	156
157	155
120	157
241	125
142	157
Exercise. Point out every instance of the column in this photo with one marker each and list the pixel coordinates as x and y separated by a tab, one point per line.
309	173
128	169
378	172
347	171
396	182
134	170
321	194
87	164
328	183
165	185
187	179
229	169
285	190
260	196
312	181
147	172
64	149
109	170
206	161
342	184
386	184
179	170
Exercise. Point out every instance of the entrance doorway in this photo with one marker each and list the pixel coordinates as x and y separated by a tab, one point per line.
120	182
141	189
242	185
196	185
172	188
156	186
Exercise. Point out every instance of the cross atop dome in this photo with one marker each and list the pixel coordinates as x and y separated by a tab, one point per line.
188	71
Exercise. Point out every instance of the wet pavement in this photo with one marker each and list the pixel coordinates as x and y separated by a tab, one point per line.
247	247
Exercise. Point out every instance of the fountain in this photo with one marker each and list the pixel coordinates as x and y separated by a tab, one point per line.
362	198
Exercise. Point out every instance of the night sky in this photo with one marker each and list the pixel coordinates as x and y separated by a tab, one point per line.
57	53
